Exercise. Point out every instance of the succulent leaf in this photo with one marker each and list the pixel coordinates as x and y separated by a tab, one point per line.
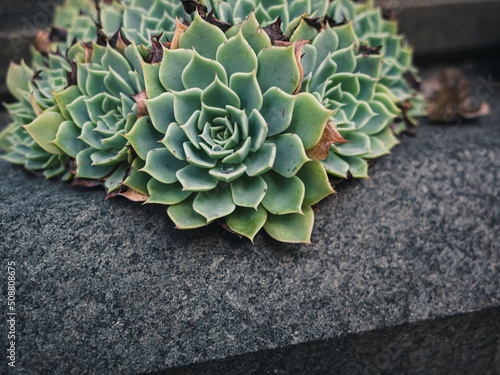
294	228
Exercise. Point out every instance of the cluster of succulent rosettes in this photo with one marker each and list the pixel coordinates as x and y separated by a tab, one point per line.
346	79
398	73
225	134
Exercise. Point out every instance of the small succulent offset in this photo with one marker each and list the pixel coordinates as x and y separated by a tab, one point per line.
225	134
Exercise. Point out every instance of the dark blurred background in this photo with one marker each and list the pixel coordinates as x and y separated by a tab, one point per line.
438	29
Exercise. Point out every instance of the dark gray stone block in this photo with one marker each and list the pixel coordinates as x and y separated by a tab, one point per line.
112	287
449	26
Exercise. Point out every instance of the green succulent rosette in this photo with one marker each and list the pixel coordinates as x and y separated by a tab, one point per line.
349	83
80	122
96	112
34	94
374	31
225	135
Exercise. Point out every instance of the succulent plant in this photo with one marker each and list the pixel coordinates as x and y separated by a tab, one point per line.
78	17
398	73
83	121
225	134
266	11
376	32
346	79
33	91
239	124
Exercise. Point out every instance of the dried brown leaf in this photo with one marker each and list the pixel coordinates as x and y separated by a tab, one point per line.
72	77
191	6
142	109
275	33
86	183
366	51
224	26
119	41
298	56
449	97
58	34
89	51
179	29
329	137
332	23
156	54
42	42
133	195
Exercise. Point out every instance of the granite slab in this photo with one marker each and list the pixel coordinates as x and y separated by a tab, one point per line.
113	288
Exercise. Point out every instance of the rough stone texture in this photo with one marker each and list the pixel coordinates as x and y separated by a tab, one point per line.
463	344
111	287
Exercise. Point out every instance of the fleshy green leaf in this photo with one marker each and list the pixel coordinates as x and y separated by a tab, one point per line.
290	154
215	204
201	72
143	137
166	194
261	161
18	77
359	144
186	103
66	139
184	216
219	95
248	191
236	56
193	178
277	110
44	130
228	172
335	165
247	221
85	169
309	119
138	180
315	179
293	228
161	111
357	166
254	35
163	166
278	67
173	64
284	195
203	37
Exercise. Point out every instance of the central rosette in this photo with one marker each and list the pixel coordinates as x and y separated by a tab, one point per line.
220	138
225	134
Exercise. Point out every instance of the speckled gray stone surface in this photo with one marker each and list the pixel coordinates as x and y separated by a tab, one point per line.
112	287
